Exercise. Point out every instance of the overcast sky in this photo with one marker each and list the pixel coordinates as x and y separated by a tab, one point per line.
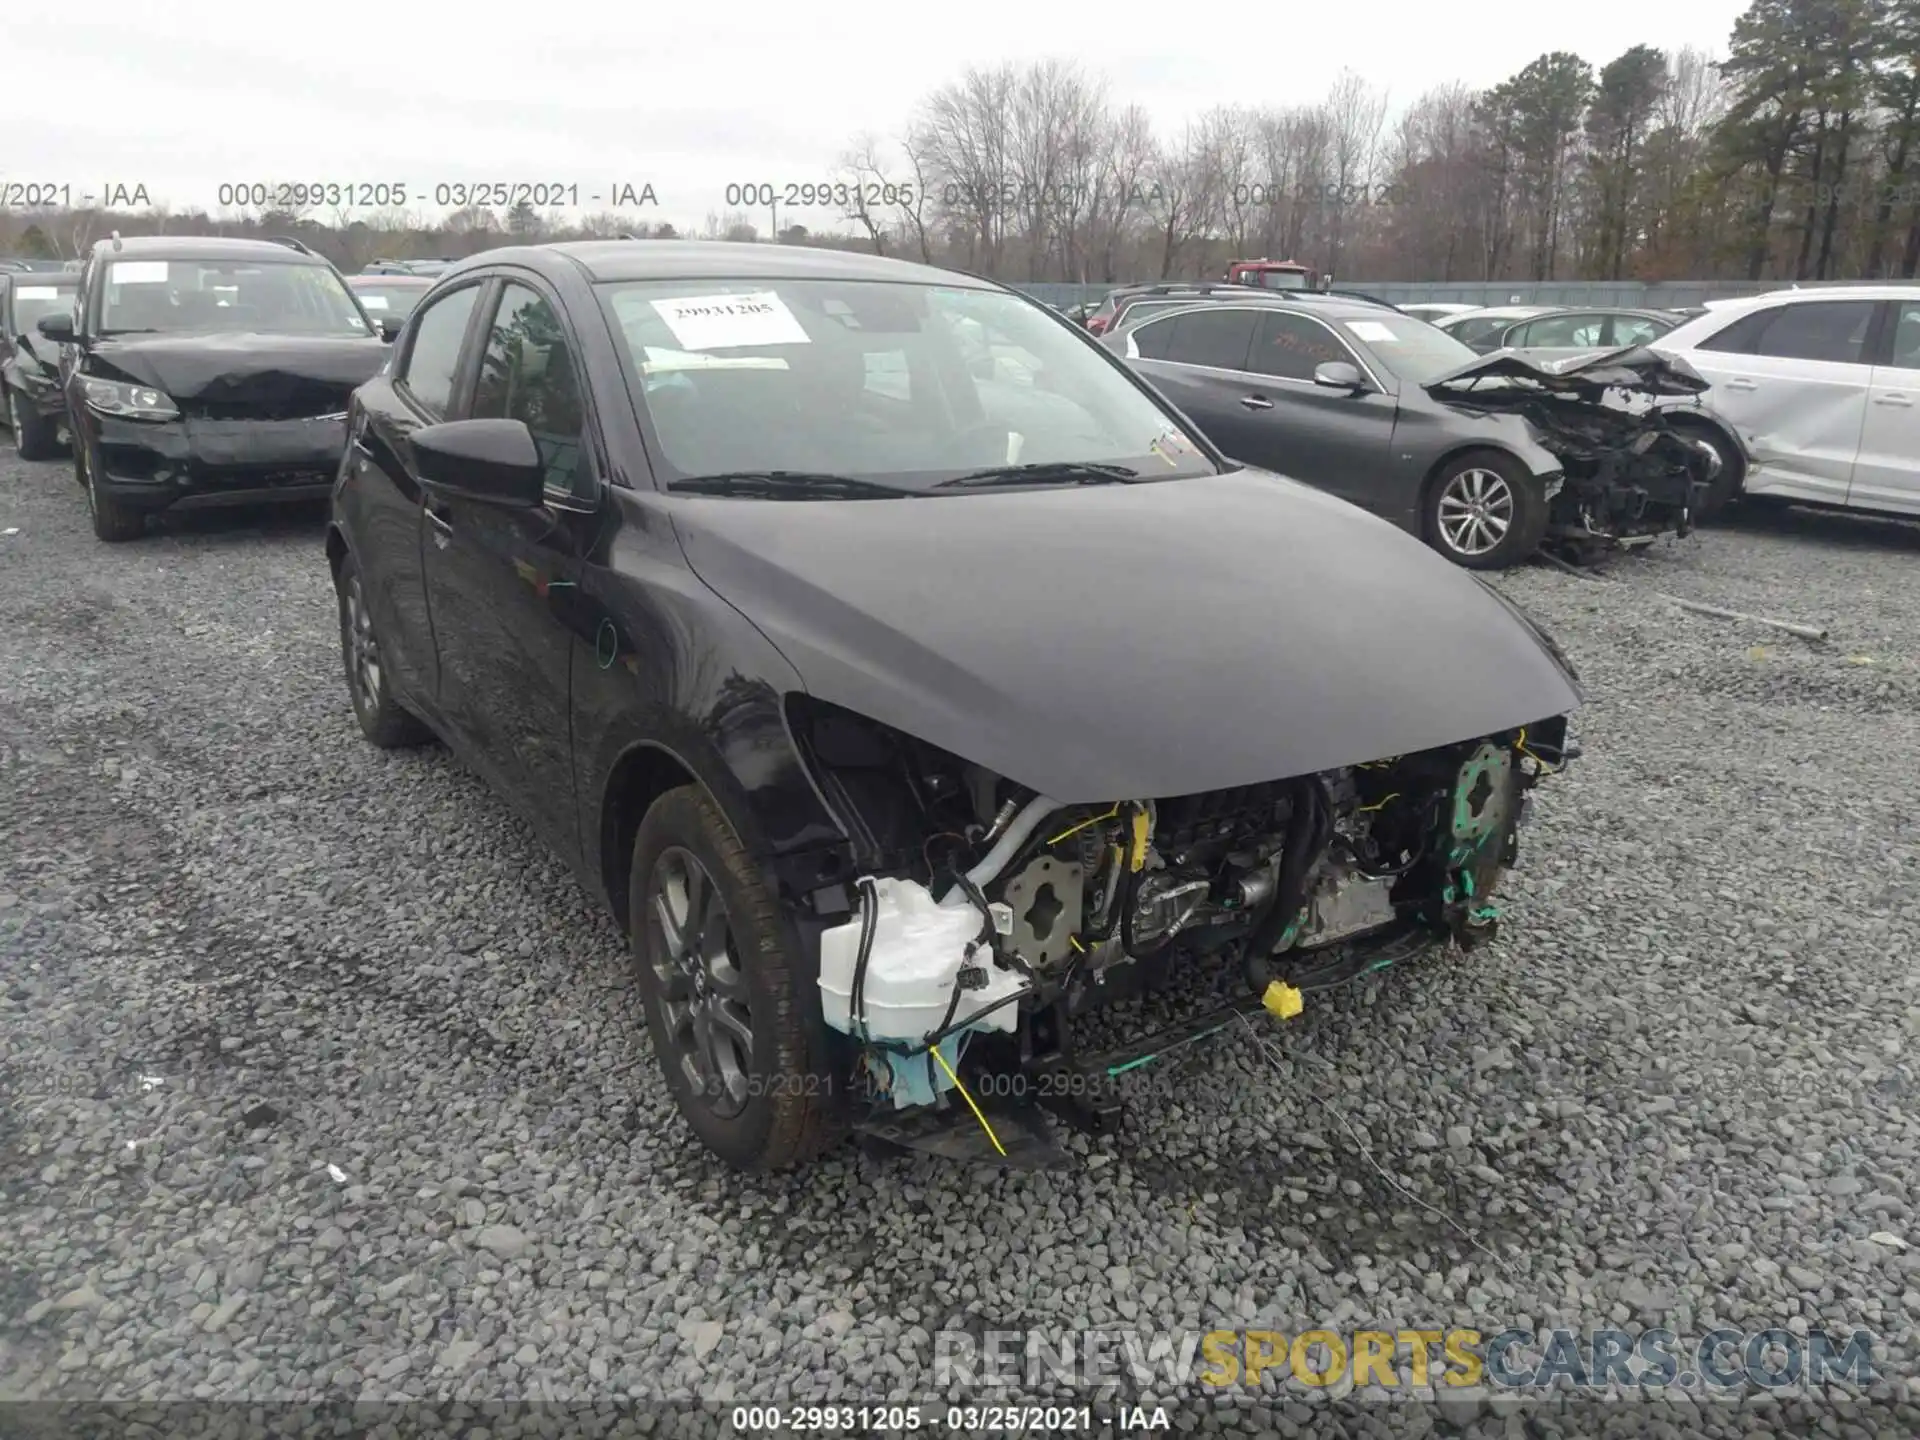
689	98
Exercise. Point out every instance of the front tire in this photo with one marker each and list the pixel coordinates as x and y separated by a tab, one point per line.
33	433
1725	488
1484	511
112	521
733	1013
383	719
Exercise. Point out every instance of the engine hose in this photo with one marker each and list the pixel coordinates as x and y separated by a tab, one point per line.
857	992
1309	828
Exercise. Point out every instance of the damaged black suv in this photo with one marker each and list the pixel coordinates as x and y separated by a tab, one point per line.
908	680
203	371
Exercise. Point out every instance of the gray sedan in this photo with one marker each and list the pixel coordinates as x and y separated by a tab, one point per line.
1483	456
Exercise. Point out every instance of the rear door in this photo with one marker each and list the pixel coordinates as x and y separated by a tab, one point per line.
1794	377
1886	475
1197	358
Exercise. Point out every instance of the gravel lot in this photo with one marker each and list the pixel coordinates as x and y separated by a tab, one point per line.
320	1078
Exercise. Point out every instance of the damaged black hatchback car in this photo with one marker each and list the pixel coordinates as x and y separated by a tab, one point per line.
906	678
202	371
1484	457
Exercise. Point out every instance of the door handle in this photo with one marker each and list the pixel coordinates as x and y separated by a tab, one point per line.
1894	398
1742	385
1256	402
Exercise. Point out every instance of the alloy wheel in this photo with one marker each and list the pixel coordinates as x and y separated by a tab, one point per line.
703	990
363	651
1476	511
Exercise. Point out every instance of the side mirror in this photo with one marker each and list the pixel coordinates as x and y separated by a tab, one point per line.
492	461
390	327
1339	375
57	327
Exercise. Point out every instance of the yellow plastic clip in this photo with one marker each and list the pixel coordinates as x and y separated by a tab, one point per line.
1282	1001
1142	833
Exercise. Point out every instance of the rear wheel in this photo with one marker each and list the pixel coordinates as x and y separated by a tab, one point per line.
733	1013
383	719
33	433
112	521
1484	511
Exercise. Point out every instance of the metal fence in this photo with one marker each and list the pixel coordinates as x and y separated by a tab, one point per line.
1630	294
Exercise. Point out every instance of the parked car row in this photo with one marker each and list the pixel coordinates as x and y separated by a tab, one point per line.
639	532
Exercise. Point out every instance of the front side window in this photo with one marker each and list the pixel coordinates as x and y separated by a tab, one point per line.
527	374
1830	330
435	354
264	296
1906	336
904	383
1292	347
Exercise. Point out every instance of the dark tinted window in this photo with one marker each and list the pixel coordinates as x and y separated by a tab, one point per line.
1906	336
436	349
1819	330
1738	338
1220	338
1150	342
1293	346
527	373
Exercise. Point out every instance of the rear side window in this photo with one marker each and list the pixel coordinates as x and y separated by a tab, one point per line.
1476	332
436	350
1216	338
1638	329
1150	341
1556	331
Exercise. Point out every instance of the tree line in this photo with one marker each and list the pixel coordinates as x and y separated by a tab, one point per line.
1795	156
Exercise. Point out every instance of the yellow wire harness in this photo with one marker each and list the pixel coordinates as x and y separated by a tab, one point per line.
969	1099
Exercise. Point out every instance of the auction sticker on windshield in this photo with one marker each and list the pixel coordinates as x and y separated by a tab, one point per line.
137	272
37	292
1372	331
718	322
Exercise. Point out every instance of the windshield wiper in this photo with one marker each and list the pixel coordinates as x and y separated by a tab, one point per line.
1071	472
789	485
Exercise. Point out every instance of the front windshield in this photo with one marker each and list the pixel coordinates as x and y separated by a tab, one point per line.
291	297
31	301
1412	349
389	302
906	384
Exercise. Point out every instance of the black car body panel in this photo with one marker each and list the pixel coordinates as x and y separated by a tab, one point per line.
251	416
29	362
1421	654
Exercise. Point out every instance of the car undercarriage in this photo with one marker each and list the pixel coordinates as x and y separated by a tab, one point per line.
987	918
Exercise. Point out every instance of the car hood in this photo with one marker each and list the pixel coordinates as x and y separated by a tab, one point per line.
1130	641
1587	374
273	376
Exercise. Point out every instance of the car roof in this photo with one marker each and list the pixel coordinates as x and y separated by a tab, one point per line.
1325	306
1507	312
419	282
201	247
1889	291
605	260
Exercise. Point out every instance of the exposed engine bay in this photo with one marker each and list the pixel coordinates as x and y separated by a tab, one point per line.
1629	472
981	907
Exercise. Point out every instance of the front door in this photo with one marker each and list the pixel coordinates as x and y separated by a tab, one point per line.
501	582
